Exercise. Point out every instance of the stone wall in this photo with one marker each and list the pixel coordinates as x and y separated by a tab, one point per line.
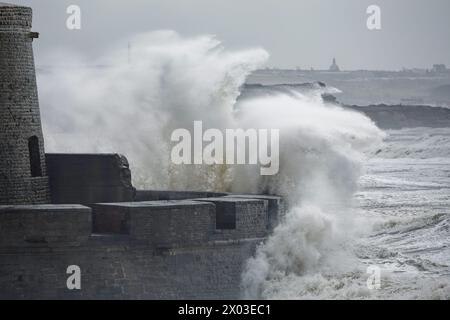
29	225
19	112
169	253
184	222
137	250
116	268
158	223
89	178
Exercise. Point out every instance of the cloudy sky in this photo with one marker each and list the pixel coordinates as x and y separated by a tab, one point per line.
304	33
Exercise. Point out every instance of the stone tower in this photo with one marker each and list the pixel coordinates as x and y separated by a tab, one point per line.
23	177
334	67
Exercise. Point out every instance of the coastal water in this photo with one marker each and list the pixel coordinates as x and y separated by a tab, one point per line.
405	193
401	209
359	196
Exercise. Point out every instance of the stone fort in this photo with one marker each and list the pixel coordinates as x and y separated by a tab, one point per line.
58	210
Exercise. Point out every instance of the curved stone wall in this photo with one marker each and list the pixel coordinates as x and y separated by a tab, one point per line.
22	160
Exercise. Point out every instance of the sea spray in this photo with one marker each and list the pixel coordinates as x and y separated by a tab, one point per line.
133	108
322	148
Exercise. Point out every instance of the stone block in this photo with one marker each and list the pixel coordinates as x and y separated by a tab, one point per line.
161	223
276	206
239	218
89	178
43	225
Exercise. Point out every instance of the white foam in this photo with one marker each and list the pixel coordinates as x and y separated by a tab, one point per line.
172	81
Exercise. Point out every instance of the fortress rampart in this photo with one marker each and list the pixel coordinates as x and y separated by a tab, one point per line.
193	247
59	210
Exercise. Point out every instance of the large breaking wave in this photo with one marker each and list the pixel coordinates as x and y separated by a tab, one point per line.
172	81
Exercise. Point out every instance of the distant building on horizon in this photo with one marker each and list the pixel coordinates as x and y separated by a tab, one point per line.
439	68
334	67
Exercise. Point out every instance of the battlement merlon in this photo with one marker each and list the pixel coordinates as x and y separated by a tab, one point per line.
44	225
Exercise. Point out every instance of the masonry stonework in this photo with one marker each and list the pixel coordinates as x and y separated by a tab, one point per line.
117	268
23	178
89	178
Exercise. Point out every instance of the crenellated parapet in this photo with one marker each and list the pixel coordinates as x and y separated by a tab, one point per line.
164	249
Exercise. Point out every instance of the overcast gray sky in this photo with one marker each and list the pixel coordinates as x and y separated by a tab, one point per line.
305	33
